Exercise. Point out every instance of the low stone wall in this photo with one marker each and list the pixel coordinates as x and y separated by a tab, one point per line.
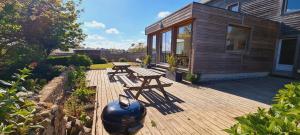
51	103
54	90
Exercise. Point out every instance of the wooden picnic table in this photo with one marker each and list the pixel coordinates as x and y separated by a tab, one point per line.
119	67
146	77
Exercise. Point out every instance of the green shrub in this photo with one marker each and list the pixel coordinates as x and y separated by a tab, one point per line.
17	115
283	118
47	71
123	60
193	78
76	78
74	107
83	93
147	60
58	60
80	60
99	60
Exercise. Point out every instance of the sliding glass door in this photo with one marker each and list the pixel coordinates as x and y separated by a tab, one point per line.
183	45
166	46
153	49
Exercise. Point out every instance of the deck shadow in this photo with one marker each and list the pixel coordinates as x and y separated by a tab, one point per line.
159	102
258	89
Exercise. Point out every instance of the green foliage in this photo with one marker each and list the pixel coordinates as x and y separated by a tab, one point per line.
193	78
147	60
46	71
74	107
80	60
76	78
58	60
31	29
99	60
83	93
172	63
282	118
123	60
16	113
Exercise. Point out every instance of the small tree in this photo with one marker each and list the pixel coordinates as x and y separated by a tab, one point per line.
172	63
147	60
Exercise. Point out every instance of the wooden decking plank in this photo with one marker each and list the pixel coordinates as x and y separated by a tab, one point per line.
205	111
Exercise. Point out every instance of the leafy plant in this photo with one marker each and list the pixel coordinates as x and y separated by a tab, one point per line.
99	60
16	113
58	60
76	78
282	118
172	63
147	60
74	107
80	60
123	60
193	78
83	93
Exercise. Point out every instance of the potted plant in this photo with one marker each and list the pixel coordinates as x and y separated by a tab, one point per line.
172	73
147	61
193	78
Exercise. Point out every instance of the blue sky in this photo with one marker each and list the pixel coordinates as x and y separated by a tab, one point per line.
119	23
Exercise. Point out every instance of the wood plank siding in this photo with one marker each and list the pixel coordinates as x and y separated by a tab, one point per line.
209	30
269	9
209	41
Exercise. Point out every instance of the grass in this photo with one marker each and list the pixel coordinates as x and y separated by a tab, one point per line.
109	65
101	66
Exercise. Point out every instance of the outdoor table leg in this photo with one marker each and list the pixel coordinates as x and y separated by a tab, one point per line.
141	88
161	88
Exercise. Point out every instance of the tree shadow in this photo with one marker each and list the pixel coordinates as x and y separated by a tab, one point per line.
158	101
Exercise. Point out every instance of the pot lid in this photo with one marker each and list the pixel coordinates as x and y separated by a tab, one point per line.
123	110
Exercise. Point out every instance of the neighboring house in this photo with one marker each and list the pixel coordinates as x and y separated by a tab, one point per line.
230	38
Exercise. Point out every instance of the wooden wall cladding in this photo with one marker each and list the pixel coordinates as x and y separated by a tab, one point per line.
176	17
209	40
268	9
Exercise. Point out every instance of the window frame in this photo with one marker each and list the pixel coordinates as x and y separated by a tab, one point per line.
191	40
161	43
247	46
284	8
232	4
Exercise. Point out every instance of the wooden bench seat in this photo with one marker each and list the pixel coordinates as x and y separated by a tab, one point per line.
128	83
110	70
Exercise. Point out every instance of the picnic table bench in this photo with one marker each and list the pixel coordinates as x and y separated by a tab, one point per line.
145	78
118	67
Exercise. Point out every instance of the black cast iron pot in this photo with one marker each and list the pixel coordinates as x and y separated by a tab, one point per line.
123	116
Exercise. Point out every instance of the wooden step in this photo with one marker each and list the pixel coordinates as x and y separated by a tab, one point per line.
160	69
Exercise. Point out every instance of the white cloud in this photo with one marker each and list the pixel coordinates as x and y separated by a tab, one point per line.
98	41
112	31
163	14
94	24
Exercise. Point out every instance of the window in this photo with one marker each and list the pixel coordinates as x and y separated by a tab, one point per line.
234	7
183	45
291	6
166	46
237	38
153	49
287	51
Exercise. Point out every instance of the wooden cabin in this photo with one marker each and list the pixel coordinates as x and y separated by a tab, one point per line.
229	39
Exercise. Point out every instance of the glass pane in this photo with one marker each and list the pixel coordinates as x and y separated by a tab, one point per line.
183	45
287	52
166	46
153	49
237	38
234	7
293	5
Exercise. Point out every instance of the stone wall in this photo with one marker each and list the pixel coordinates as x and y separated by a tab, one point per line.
51	99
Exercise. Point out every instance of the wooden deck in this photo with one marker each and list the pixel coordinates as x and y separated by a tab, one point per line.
193	110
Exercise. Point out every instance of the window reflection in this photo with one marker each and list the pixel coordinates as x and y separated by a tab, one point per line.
153	49
237	38
292	6
183	45
166	46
